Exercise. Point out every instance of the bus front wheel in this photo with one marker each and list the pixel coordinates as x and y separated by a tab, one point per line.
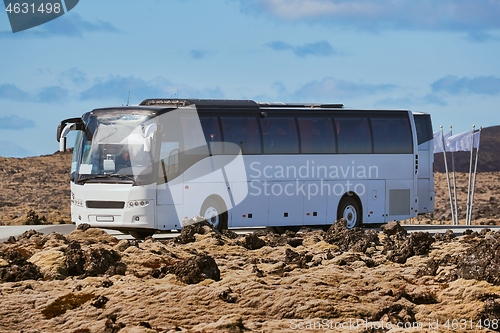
284	229
213	212
141	234
350	210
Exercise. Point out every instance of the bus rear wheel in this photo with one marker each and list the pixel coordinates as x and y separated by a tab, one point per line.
214	213
350	210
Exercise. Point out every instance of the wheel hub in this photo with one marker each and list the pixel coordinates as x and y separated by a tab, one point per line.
350	216
212	216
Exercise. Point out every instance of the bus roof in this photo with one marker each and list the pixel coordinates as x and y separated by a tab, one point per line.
161	105
201	103
230	103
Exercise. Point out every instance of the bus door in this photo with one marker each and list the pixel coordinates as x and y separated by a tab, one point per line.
169	192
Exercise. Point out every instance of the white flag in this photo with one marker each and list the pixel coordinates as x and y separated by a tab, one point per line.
438	140
462	141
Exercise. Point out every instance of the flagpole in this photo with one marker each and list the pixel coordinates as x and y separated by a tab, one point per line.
447	175
454	182
475	171
467	217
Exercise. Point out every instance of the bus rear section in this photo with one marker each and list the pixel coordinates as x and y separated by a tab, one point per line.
426	193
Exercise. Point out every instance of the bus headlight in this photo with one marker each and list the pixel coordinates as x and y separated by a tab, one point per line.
138	203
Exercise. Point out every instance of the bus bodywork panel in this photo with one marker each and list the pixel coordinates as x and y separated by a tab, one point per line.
121	206
306	191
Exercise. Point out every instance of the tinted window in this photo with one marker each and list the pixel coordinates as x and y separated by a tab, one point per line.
280	136
316	136
242	131
194	141
391	136
353	135
211	130
423	125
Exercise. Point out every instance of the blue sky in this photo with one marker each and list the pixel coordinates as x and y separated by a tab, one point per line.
440	57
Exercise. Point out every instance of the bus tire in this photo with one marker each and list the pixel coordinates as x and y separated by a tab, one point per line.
214	213
283	229
350	210
141	234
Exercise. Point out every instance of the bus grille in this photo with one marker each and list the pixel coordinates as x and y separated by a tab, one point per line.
106	204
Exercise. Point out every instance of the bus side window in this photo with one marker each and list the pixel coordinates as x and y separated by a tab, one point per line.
316	135
243	132
210	126
353	135
193	138
280	136
391	135
423	125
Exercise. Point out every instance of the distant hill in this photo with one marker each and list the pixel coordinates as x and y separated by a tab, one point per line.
39	184
489	157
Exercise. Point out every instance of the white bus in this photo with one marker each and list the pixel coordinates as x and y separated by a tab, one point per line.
238	163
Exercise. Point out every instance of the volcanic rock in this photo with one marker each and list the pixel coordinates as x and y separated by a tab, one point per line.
399	248
355	239
196	269
252	242
18	268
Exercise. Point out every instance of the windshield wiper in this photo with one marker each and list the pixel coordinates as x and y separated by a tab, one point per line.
84	179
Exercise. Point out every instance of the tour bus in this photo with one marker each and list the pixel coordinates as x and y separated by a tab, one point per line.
239	164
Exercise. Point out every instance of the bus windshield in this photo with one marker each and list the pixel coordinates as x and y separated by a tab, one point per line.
113	149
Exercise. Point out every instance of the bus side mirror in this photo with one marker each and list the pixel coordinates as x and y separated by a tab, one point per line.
62	139
148	137
62	145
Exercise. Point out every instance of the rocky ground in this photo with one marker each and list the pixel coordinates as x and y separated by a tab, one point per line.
35	190
341	280
486	209
202	281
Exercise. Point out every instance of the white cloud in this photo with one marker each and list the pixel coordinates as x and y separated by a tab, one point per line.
11	149
321	48
483	85
451	15
69	25
410	101
117	88
300	9
12	92
330	88
14	122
